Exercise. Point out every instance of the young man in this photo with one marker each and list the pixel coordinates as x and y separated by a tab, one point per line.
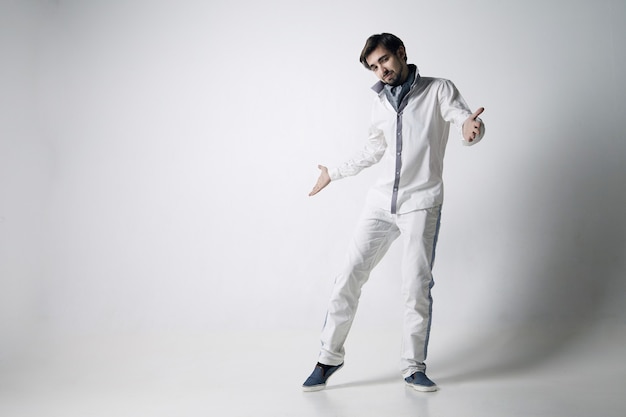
408	134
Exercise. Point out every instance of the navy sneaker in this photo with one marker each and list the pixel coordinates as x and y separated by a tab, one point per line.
317	380
420	382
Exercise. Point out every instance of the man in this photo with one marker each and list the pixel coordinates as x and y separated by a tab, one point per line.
411	118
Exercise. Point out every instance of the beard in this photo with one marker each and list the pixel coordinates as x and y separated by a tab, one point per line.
395	80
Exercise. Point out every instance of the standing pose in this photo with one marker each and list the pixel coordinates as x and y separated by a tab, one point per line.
408	134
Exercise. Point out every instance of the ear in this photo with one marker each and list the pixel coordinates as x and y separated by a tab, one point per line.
401	53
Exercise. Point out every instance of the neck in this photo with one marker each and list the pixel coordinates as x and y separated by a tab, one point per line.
404	74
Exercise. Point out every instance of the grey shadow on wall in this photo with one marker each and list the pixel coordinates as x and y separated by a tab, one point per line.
576	258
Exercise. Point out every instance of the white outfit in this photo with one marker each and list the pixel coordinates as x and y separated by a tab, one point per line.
411	144
406	201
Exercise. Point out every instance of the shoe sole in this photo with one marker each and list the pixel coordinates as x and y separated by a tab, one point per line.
313	388
422	388
320	387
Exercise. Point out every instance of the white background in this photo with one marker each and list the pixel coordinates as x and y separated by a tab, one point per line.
155	161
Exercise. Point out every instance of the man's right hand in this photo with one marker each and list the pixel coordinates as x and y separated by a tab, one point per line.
322	181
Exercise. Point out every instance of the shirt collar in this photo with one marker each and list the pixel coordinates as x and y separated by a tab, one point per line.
380	86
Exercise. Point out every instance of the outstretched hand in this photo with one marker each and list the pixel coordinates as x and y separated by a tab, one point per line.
322	181
472	125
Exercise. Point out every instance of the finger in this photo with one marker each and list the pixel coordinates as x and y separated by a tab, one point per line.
317	188
477	113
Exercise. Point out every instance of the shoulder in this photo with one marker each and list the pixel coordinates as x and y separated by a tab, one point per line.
435	83
444	87
439	82
439	87
434	80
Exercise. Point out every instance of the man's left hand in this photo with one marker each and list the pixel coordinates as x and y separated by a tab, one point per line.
472	126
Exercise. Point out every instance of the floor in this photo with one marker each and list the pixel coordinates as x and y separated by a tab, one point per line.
553	372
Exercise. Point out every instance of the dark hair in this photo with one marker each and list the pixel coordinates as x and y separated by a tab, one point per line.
390	42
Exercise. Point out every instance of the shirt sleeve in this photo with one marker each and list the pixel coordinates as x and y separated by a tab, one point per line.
371	153
455	110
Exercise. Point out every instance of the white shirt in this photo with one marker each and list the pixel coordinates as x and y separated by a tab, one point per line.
410	144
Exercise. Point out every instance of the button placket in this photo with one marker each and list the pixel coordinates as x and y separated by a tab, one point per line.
398	170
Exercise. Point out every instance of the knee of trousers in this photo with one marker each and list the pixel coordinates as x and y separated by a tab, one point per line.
418	281
346	294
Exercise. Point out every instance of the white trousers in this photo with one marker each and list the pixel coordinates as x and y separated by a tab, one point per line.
375	232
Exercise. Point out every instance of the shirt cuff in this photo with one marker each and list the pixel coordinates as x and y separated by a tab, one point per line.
334	174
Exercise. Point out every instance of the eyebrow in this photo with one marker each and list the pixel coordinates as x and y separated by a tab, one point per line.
378	61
